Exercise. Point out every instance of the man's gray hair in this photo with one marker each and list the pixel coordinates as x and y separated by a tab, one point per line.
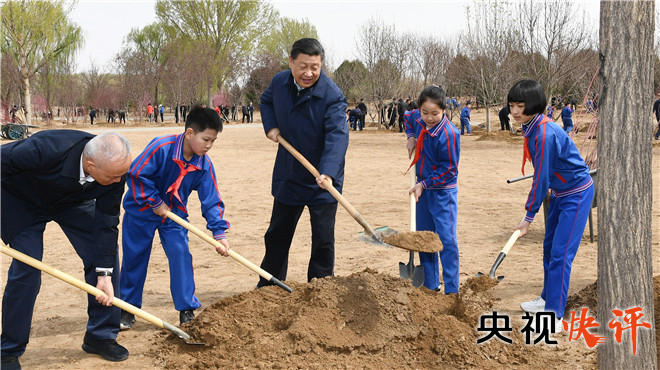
108	147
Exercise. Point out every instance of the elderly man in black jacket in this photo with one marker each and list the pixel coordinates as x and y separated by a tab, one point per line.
77	180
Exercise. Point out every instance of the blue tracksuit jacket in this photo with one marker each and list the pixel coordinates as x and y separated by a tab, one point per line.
557	163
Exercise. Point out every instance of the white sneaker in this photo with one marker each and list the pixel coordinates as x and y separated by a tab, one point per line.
535	305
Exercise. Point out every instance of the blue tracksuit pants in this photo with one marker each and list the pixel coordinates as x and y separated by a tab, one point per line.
567	217
137	238
465	123
436	211
568	124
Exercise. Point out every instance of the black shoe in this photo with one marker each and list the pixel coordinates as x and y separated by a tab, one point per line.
186	316
127	320
10	363
109	349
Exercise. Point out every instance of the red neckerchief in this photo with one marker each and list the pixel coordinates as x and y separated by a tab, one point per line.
526	155
184	170
419	146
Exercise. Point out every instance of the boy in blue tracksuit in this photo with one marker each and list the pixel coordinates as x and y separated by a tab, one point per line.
465	119
559	167
160	180
567	118
436	144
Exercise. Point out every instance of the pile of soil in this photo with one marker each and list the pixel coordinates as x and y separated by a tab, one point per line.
418	241
364	320
481	283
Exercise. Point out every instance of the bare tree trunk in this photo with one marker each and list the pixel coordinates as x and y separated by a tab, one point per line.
625	271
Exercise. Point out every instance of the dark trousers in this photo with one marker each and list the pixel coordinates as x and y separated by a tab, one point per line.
504	124
278	238
401	128
23	281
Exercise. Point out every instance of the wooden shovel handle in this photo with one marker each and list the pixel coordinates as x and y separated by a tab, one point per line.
413	203
328	186
511	241
242	260
13	253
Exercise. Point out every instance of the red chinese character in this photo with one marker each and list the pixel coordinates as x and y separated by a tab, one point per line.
632	318
580	325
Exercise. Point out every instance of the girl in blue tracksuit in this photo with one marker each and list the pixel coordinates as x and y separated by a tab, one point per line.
160	180
436	144
465	119
559	167
567	118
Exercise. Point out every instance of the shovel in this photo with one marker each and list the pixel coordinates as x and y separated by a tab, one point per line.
242	260
369	235
96	292
410	271
502	255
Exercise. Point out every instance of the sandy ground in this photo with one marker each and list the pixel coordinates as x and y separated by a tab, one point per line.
375	185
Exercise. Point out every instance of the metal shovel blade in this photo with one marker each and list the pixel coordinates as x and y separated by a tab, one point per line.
499	278
412	272
381	232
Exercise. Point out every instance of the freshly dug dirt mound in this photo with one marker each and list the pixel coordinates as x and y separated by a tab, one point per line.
364	320
481	283
418	241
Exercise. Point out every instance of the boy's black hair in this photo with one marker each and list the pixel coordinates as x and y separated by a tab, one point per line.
435	94
200	119
529	92
307	46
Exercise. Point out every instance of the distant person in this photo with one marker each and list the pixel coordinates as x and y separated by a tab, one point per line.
401	109
184	112
308	109
465	119
246	114
363	113
75	179
160	181
111	116
150	112
558	167
435	142
354	118
176	113
122	115
92	115
233	112
504	118
251	112
567	118
550	112
391	113
162	112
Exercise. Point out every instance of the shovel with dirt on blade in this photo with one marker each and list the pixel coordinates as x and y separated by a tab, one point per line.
410	271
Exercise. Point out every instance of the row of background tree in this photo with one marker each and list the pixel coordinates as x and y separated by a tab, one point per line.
226	52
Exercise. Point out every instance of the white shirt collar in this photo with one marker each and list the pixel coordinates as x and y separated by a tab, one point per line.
296	83
83	179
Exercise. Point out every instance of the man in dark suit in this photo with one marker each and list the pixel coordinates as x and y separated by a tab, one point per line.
309	110
363	116
77	180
